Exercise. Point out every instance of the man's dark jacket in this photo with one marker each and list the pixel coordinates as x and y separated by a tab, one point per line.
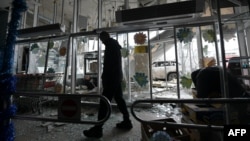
112	67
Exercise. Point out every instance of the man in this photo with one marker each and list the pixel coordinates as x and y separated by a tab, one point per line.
208	83
111	81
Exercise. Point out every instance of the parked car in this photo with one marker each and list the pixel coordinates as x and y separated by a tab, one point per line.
162	70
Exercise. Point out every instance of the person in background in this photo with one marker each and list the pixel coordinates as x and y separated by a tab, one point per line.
208	83
112	88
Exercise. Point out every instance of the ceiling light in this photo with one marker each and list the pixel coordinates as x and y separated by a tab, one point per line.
45	30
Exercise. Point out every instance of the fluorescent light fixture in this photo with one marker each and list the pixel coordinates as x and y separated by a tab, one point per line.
45	30
160	13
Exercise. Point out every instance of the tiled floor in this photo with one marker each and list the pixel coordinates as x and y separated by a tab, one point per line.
34	131
27	130
40	131
48	131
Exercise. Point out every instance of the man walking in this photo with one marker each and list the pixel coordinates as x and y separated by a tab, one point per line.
112	88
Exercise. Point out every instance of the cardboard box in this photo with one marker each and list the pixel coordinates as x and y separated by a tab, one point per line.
203	113
148	129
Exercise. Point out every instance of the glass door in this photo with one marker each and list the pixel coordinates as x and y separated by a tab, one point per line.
163	63
87	64
196	48
40	64
55	65
136	68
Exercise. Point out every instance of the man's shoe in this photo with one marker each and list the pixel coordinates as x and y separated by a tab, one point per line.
94	132
126	124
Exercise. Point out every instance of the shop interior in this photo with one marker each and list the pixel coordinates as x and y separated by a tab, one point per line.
58	51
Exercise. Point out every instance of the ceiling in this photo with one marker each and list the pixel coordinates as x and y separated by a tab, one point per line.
88	13
63	10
